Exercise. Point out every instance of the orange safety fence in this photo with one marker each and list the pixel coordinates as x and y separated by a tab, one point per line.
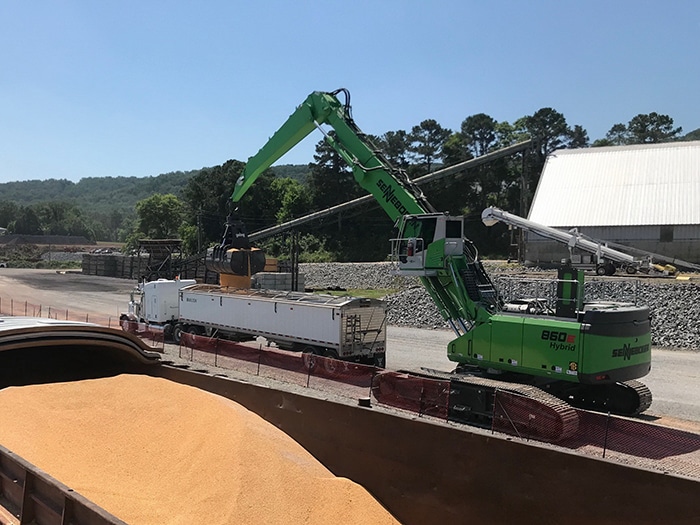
421	395
530	418
622	439
292	367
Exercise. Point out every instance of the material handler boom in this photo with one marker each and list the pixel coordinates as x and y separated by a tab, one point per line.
587	354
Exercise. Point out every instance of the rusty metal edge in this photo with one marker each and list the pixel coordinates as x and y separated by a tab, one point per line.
73	503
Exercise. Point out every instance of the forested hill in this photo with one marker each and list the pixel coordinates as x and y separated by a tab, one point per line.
113	193
95	193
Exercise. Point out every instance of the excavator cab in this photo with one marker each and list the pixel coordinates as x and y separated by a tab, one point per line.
424	241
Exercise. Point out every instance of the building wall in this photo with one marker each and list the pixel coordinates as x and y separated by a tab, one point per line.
672	241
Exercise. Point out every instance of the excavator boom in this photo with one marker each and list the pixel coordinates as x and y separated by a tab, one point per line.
574	352
391	187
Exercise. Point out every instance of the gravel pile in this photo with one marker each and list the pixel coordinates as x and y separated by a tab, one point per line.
349	276
63	256
674	305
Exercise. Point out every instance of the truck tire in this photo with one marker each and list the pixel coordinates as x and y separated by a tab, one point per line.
331	364
329	352
168	330
177	333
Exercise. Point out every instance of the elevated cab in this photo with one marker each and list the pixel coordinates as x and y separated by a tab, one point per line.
424	241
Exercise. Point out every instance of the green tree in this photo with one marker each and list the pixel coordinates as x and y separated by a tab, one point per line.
578	138
652	128
8	212
26	222
396	147
62	218
455	150
208	201
645	128
331	181
294	200
617	135
159	216
548	128
426	142
549	131
480	134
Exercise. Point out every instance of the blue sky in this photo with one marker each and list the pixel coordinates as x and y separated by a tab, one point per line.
139	88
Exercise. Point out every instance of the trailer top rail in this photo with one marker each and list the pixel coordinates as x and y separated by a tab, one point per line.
277	295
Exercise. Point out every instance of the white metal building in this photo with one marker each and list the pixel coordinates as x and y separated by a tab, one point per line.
644	196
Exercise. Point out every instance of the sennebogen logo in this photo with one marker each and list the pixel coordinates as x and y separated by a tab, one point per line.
390	196
627	351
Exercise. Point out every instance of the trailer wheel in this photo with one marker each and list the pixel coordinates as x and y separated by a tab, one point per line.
601	270
631	270
177	333
168	330
331	364
610	269
329	352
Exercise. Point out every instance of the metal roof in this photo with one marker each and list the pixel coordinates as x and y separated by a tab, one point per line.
648	184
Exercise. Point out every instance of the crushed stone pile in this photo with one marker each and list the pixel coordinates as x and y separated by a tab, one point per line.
151	451
674	305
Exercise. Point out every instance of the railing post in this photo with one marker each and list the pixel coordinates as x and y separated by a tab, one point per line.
420	401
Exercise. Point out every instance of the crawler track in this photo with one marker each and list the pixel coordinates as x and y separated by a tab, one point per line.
628	398
521	409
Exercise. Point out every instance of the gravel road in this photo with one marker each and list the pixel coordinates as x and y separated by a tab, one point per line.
673	380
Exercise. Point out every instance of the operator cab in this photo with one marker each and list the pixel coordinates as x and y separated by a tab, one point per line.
424	241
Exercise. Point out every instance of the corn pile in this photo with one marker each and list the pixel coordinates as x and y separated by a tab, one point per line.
151	451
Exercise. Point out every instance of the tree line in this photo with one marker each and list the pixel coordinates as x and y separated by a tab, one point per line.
195	206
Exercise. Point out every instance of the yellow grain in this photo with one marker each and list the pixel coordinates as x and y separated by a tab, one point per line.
152	451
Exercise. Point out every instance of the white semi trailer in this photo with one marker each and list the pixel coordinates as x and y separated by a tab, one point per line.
348	328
